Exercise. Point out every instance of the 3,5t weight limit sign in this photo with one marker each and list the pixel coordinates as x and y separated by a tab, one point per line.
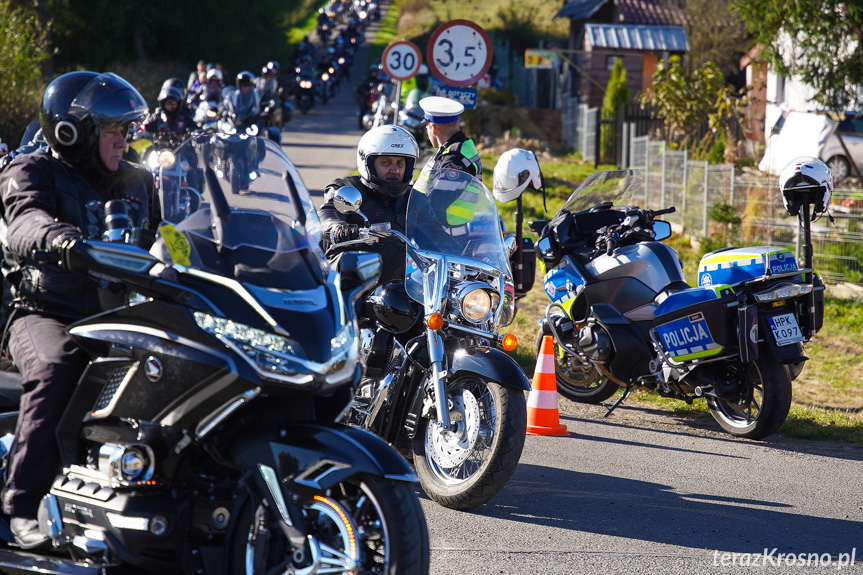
401	60
459	53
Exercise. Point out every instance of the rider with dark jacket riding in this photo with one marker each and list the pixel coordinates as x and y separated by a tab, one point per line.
52	200
386	157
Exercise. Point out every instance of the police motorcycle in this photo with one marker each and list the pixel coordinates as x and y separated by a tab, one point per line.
436	385
622	315
201	437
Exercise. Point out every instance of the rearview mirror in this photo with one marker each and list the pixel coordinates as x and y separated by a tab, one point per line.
662	230
347	200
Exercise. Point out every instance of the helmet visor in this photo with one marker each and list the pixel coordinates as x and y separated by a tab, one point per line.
110	100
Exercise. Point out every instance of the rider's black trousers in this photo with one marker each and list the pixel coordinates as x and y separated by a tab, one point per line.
50	363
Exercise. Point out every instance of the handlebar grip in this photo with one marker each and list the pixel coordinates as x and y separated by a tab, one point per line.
670	210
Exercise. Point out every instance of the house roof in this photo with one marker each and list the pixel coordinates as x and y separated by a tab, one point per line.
642	38
580	9
650	12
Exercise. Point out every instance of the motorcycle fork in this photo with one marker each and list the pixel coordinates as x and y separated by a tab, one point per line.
436	355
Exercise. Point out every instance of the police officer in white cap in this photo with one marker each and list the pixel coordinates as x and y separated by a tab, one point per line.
454	148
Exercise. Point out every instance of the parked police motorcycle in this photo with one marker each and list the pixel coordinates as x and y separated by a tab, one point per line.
435	384
201	438
622	315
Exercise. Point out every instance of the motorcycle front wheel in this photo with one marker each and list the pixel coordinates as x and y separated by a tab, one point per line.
762	404
366	525
577	381
465	468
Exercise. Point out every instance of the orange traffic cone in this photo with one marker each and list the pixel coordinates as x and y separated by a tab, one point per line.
542	417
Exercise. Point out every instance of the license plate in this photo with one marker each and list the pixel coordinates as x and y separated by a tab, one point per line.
785	329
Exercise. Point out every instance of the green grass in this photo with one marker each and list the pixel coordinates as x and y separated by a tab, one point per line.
828	395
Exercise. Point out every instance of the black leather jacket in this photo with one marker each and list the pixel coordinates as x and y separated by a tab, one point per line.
43	197
378	208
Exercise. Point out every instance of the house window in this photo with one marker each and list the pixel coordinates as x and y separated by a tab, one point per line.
609	62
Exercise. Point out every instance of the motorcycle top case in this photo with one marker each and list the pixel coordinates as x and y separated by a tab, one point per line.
733	266
696	323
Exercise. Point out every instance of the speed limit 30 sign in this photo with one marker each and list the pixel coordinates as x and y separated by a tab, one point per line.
459	53
401	60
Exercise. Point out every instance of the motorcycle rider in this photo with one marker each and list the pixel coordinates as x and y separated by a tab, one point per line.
171	122
245	100
51	201
364	90
386	157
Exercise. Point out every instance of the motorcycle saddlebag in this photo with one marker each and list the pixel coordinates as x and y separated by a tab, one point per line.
697	322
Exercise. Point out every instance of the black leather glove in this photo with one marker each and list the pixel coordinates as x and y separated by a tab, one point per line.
345	232
64	243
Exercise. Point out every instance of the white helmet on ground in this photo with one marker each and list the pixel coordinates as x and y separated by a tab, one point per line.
515	170
806	180
386	140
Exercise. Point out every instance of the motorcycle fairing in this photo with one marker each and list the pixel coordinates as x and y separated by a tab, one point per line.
564	281
653	263
311	457
736	265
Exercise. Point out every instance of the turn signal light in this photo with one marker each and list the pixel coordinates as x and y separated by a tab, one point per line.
509	342
434	321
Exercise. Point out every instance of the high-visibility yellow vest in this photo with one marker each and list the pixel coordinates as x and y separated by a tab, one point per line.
462	209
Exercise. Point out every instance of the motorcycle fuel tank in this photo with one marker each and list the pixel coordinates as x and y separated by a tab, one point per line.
652	263
732	266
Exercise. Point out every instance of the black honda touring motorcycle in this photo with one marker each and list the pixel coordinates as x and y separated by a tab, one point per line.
201	438
623	316
436	385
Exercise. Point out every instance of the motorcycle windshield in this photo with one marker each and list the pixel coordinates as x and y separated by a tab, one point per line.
242	195
457	217
617	187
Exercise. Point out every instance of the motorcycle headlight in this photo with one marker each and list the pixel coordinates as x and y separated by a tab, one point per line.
281	358
341	61
325	77
474	301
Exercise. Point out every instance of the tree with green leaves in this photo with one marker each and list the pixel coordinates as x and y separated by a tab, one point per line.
22	51
820	42
688	100
616	95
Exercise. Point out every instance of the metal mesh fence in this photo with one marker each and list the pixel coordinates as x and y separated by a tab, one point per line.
694	187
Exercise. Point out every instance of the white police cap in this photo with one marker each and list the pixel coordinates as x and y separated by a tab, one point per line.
440	110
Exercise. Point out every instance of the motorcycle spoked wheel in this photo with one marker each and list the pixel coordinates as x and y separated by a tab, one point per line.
576	381
467	467
766	405
365	526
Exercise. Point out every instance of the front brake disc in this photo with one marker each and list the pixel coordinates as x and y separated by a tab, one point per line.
451	448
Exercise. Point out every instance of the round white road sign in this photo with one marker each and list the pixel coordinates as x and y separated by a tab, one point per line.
401	60
459	53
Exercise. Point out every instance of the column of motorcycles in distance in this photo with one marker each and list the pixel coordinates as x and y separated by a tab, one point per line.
317	81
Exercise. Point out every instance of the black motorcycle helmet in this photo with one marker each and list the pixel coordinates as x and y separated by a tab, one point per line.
392	308
170	92
75	106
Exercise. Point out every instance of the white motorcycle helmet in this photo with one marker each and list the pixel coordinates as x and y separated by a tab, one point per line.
514	171
215	73
806	180
386	140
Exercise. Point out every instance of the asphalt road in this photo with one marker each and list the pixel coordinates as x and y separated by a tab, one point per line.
646	491
642	491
